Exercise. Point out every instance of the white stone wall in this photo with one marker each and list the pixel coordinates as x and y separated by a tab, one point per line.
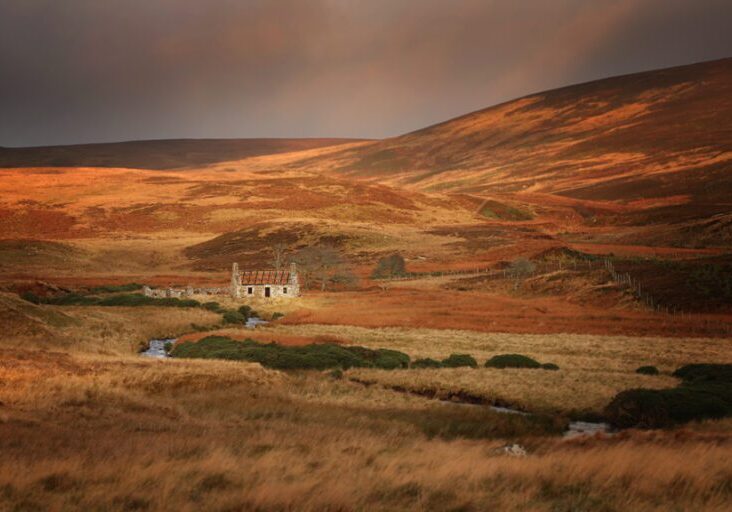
275	291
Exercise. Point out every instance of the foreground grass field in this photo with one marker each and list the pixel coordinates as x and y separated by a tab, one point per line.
87	424
115	433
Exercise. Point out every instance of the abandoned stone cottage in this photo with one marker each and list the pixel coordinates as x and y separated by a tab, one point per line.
264	283
250	284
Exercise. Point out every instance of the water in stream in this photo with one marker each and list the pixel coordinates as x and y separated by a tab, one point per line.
156	348
574	429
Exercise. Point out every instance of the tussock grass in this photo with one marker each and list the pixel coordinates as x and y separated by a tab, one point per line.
82	428
568	351
562	391
593	369
125	434
96	329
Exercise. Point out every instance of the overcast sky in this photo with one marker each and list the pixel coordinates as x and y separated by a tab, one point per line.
74	71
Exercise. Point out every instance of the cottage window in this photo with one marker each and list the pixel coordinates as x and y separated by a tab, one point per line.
284	290
250	290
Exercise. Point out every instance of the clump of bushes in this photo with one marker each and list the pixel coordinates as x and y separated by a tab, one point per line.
124	299
238	316
426	363
315	357
277	315
247	311
705	392
512	361
234	317
138	299
459	360
549	366
389	266
31	297
212	306
705	373
336	374
129	287
647	370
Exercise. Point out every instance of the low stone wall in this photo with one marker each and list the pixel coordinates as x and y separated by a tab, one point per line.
182	292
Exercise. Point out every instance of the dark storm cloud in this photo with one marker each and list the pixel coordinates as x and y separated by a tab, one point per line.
95	70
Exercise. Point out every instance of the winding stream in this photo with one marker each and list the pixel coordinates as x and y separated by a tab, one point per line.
156	348
574	429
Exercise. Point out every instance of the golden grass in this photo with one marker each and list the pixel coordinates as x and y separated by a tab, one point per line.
116	433
83	429
101	330
570	351
544	391
548	311
592	368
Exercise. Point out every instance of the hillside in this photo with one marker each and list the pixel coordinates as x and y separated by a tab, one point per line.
615	139
630	168
649	153
156	154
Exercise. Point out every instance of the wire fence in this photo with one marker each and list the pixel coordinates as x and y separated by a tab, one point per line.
623	279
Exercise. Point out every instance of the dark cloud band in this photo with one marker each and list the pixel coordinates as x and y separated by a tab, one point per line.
85	70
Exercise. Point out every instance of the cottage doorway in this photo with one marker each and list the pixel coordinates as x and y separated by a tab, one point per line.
266	291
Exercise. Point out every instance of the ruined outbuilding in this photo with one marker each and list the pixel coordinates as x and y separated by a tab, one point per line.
250	284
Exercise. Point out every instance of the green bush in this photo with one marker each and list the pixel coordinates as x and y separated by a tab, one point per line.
706	392
705	373
426	363
138	299
31	297
336	374
125	299
246	311
549	366
644	408
71	299
659	408
129	287
168	346
512	361
459	360
212	306
647	370
381	358
277	315
234	317
316	356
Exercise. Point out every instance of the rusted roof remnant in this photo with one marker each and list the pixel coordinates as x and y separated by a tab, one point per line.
258	277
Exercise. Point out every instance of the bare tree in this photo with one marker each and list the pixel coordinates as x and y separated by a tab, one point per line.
521	268
279	251
321	263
